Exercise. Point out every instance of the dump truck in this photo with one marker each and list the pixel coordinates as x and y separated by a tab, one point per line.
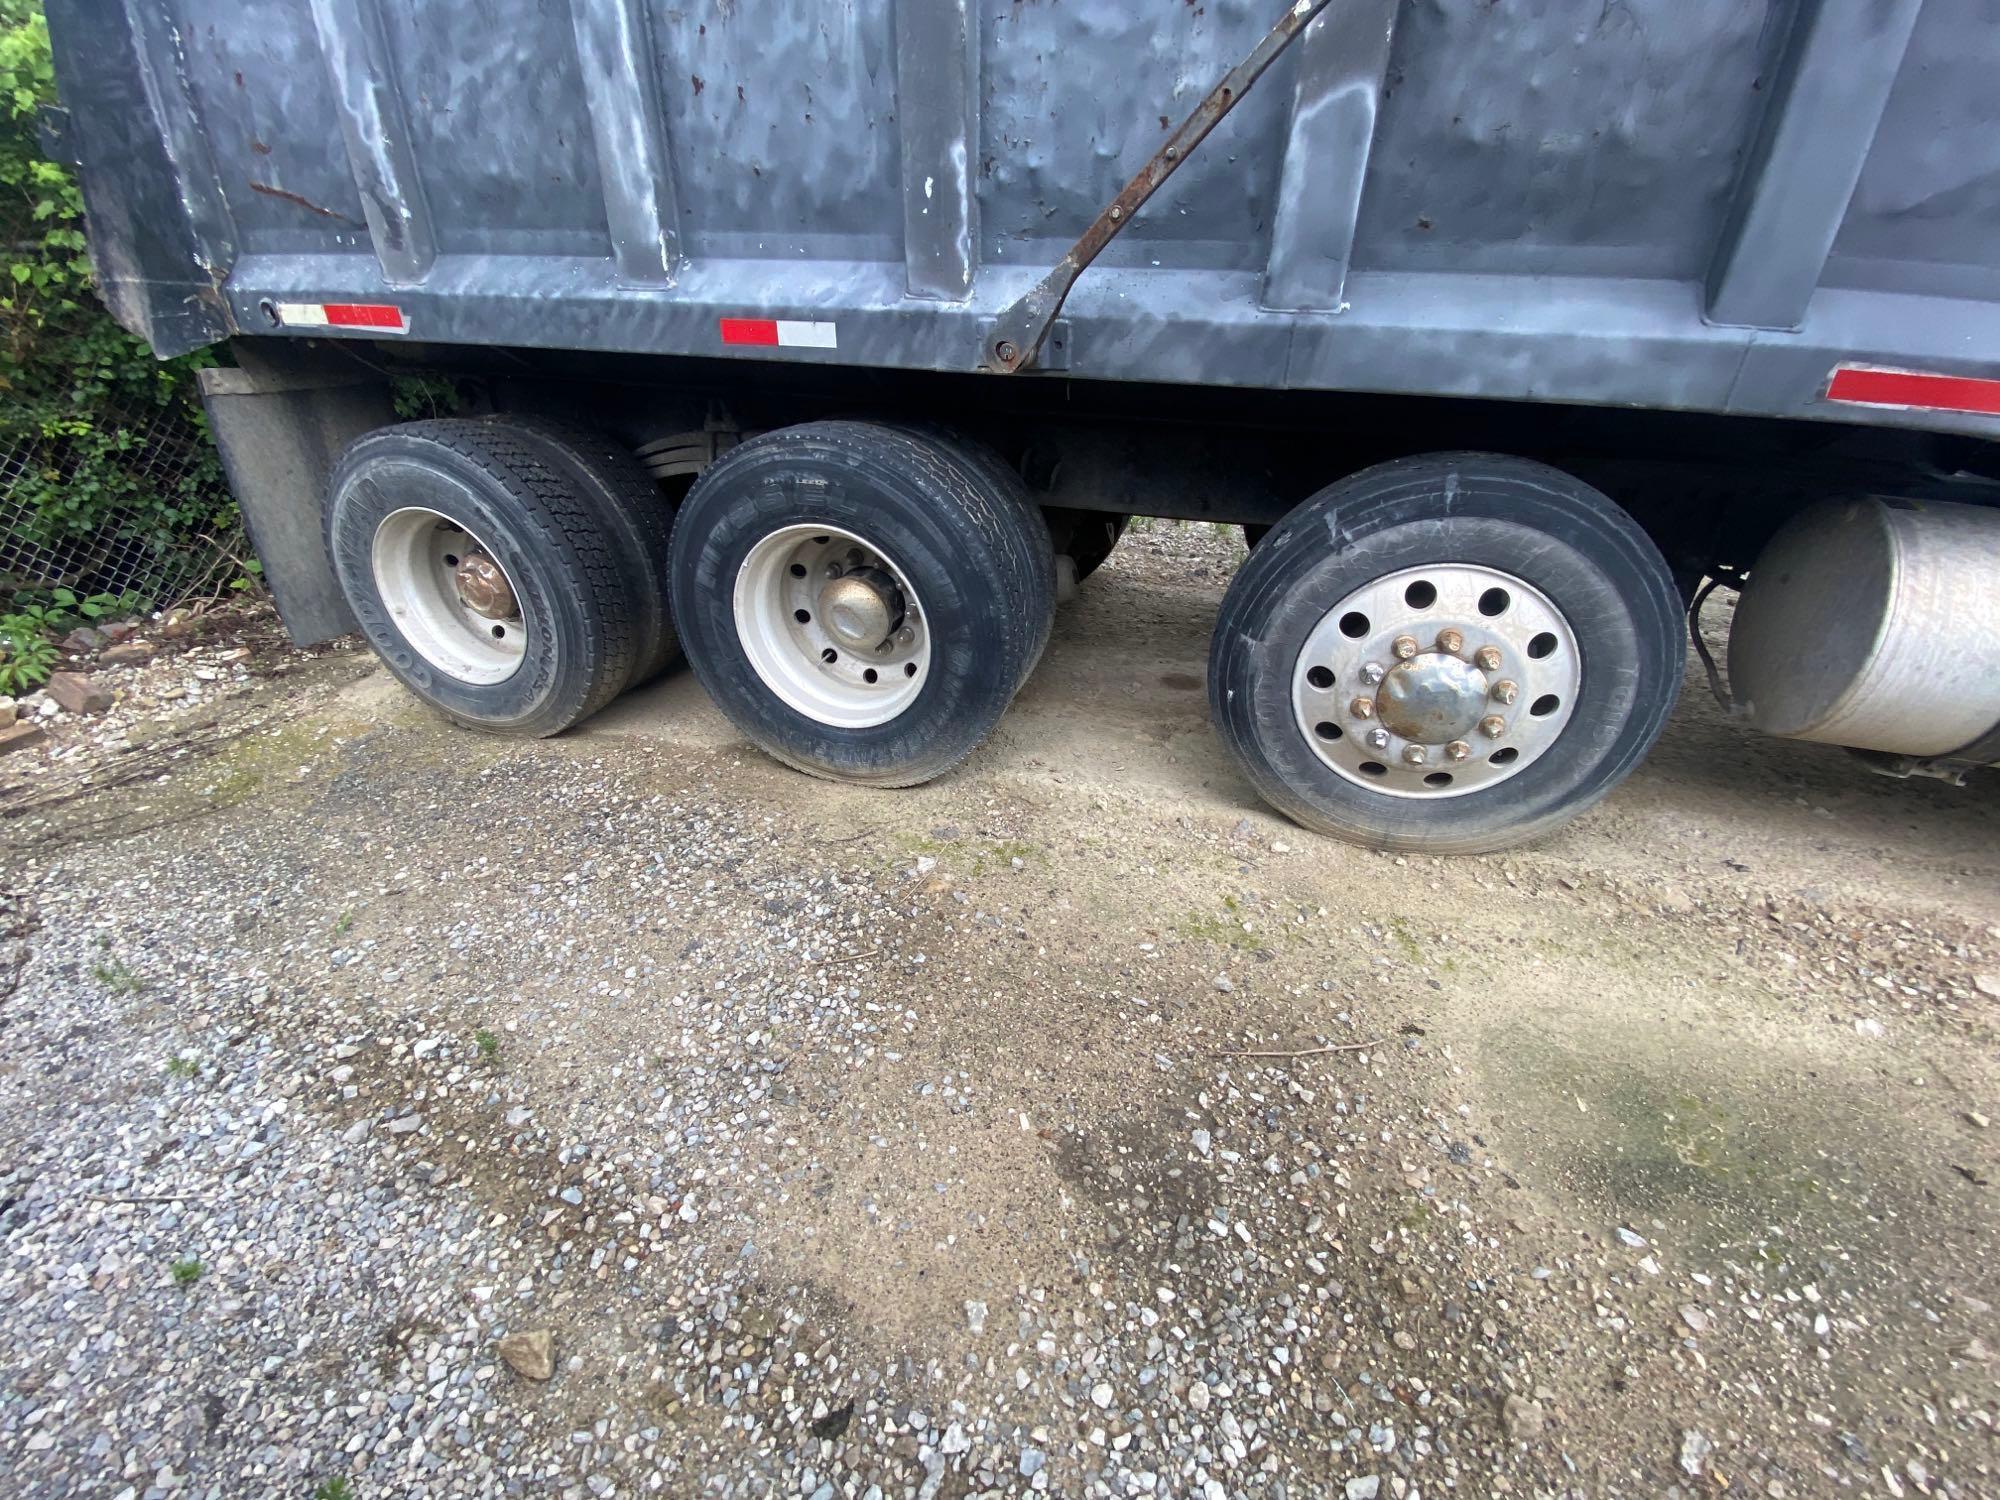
821	345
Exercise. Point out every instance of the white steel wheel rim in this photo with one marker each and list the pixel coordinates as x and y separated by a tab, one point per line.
416	556
1492	680
830	623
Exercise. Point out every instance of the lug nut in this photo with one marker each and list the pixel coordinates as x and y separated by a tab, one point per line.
834	570
1493	726
1362	708
1450	642
1405	647
1457	750
1371	673
1487	658
1506	691
1378	739
1414	755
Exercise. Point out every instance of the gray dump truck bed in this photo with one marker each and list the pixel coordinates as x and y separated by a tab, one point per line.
1714	205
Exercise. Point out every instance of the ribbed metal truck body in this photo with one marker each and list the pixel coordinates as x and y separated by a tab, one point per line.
1787	209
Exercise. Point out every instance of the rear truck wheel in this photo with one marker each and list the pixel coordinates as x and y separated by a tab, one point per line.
639	518
1446	654
486	580
862	601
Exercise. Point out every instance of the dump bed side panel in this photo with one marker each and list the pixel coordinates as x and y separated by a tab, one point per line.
1706	204
1926	213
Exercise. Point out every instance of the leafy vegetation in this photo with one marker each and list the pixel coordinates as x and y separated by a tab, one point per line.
81	394
186	1272
102	440
29	627
27	655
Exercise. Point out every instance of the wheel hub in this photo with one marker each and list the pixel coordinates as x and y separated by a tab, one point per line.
1436	681
1431	698
861	609
484	587
832	625
449	597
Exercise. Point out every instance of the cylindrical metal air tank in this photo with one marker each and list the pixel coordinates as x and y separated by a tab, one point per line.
1875	624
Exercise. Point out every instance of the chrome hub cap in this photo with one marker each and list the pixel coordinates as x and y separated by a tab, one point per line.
1437	681
832	626
452	602
861	609
1431	698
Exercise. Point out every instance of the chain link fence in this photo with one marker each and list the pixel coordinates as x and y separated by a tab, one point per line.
160	451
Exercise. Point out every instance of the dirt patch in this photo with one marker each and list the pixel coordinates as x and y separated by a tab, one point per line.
1074	1105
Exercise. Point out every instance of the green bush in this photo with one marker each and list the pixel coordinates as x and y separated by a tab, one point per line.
106	449
111	436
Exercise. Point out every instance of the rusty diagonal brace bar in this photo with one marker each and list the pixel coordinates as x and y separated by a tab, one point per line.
1016	336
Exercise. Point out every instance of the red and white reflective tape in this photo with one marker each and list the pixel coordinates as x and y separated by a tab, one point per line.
779	333
376	317
1913	390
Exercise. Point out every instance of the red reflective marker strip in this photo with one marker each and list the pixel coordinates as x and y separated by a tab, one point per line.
787	333
379	317
364	315
1862	386
750	331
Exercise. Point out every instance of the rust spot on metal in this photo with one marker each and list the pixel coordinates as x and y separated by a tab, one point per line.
699	85
301	200
484	588
259	147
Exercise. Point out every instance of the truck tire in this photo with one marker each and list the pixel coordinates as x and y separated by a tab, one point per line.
640	520
1006	488
1447	654
862	601
485	580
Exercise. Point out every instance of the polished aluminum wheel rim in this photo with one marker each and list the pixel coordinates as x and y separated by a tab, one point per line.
1437	681
449	596
832	626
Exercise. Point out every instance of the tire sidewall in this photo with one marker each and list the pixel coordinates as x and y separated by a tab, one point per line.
1599	571
965	609
378	479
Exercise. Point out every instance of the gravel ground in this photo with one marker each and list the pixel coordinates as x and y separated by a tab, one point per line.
388	1111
